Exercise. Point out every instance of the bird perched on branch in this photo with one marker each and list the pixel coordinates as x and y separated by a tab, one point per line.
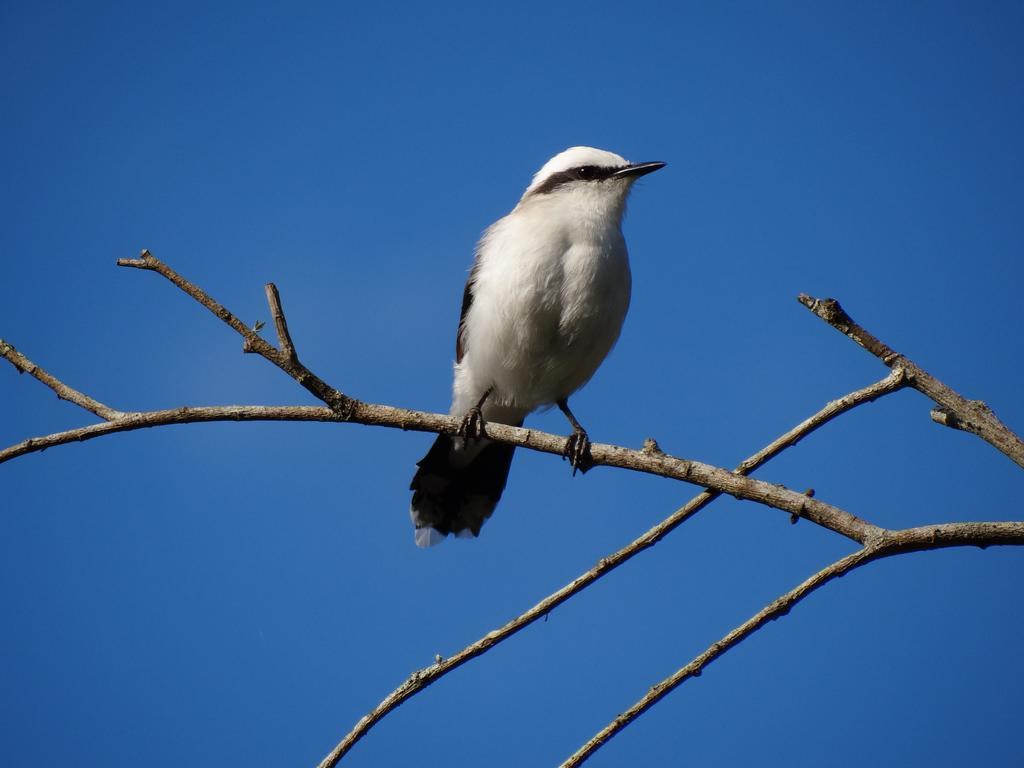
543	306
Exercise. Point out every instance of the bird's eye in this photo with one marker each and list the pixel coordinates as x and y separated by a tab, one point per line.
585	172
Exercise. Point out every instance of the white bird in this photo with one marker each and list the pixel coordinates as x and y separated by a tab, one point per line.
543	306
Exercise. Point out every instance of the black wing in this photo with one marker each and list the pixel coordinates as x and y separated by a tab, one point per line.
467	302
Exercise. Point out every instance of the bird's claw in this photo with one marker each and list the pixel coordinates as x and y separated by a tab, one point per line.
577	451
472	425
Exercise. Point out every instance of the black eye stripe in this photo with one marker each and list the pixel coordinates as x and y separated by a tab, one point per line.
593	172
580	173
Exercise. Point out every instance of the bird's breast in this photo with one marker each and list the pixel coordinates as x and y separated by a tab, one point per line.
548	306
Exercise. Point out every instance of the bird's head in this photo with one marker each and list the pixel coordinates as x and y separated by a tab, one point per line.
587	177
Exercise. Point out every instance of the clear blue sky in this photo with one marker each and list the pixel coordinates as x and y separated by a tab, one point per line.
213	593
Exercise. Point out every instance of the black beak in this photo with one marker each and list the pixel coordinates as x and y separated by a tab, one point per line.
638	169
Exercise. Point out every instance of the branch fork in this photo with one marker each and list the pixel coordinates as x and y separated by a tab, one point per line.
953	410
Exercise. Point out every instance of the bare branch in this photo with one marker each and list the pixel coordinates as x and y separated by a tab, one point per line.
954	410
128	422
645	461
889	544
64	392
425	677
651	461
287	363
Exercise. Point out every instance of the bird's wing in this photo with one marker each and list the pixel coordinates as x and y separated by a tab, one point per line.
467	302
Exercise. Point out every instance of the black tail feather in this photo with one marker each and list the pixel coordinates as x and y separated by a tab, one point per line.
449	498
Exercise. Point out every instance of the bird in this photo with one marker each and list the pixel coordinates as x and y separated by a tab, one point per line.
544	304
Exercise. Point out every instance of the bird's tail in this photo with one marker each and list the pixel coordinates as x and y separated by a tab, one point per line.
457	486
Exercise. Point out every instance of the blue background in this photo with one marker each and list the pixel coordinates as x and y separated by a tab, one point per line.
211	593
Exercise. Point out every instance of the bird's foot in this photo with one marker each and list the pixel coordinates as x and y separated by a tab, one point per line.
577	451
472	425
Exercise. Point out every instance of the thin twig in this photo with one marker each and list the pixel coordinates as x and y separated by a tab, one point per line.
63	391
425	677
954	410
284	338
889	544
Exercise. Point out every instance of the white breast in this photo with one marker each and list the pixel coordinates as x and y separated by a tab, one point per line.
551	292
